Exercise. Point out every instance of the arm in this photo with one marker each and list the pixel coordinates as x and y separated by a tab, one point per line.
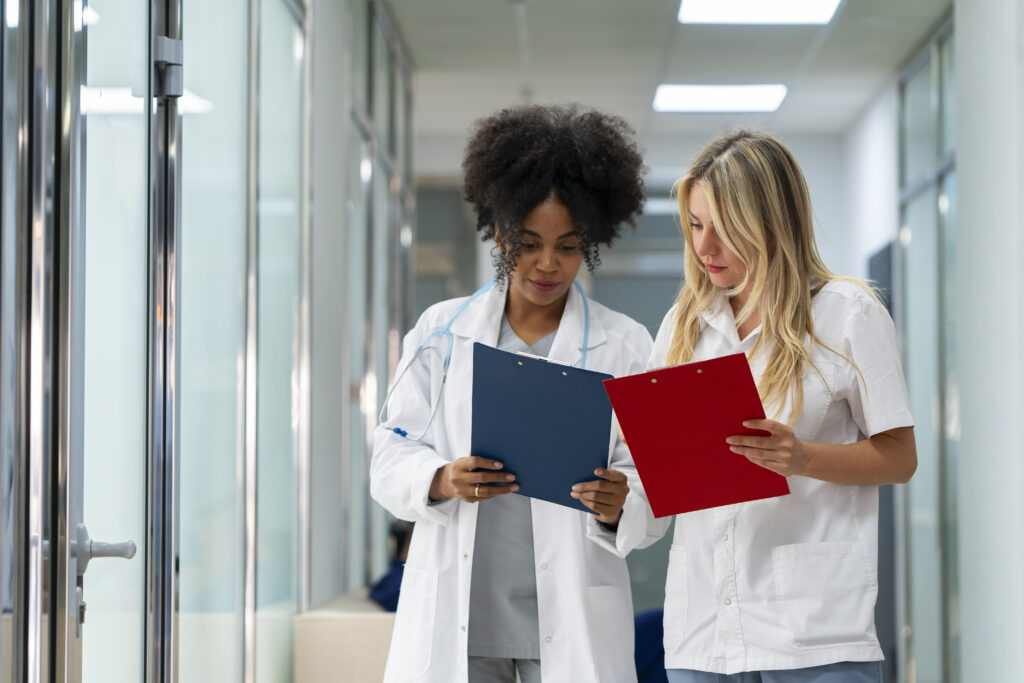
633	525
401	469
889	457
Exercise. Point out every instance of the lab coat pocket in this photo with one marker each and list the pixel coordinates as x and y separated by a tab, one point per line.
677	599
825	593
414	621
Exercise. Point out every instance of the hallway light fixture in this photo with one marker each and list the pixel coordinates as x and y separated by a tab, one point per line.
757	11
718	98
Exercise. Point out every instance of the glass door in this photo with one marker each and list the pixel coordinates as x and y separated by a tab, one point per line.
116	191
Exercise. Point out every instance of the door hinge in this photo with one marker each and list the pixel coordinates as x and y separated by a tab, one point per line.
168	59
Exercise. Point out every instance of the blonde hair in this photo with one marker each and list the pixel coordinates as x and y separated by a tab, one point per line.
762	213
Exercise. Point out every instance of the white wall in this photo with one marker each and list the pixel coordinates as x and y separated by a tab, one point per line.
872	174
990	162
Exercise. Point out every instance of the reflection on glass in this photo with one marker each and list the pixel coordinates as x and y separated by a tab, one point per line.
7	382
360	413
922	330
948	94
384	301
213	280
951	426
920	122
116	274
280	276
381	82
358	34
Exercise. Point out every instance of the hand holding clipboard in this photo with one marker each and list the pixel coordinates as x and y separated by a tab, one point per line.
676	421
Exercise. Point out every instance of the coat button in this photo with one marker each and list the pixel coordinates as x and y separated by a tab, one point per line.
544	566
728	601
462	628
465	556
547	639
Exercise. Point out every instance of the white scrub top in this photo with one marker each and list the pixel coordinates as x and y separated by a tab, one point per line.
790	582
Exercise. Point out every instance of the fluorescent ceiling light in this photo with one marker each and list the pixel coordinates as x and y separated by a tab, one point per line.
718	98
757	11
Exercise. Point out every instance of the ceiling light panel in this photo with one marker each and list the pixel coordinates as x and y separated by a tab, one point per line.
718	98
757	11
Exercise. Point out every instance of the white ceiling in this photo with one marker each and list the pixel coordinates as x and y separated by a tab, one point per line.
473	57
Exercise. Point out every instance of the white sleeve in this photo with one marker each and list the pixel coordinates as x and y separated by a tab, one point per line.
874	386
402	469
637	527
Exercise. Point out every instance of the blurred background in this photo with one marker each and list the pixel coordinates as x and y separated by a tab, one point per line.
220	218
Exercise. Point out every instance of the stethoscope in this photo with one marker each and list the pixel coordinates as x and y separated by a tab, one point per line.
446	332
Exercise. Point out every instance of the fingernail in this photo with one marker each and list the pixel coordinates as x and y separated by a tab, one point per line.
515	488
599	471
733	449
730	440
574	494
497	465
746	423
510	477
576	487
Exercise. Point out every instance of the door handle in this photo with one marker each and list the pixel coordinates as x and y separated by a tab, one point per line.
85	549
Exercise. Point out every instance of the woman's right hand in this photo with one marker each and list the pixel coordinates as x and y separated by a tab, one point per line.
458	480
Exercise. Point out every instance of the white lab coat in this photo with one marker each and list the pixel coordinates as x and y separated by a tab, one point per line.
583	593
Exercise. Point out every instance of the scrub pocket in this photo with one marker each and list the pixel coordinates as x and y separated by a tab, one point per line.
414	620
677	599
825	594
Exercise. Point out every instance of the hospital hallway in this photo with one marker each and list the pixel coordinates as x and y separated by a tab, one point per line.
220	218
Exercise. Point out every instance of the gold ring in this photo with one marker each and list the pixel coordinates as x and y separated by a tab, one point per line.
476	491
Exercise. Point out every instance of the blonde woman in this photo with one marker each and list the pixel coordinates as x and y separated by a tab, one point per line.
783	589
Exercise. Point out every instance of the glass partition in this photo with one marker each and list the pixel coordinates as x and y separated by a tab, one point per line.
359	418
213	328
116	187
921	334
279	337
920	123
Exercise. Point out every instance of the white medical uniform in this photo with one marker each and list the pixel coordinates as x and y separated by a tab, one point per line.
790	582
585	614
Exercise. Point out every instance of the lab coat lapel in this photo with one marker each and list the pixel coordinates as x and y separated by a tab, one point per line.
568	343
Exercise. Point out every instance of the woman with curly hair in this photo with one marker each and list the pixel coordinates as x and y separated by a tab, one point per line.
497	585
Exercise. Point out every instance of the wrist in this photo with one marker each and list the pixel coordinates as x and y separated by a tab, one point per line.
438	488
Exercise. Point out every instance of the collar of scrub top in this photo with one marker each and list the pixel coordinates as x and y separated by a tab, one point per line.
446	332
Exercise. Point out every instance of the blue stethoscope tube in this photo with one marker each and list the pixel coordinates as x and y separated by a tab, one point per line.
446	332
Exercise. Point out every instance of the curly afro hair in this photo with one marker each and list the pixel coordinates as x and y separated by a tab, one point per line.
518	157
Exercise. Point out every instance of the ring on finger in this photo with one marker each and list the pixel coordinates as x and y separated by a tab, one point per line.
476	491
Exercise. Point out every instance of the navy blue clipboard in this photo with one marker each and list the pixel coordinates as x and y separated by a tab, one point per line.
548	423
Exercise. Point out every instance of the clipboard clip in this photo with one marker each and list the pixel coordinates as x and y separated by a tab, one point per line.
546	360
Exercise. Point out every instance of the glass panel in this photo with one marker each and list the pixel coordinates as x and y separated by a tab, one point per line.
384	333
951	431
116	214
920	121
213	266
921	328
280	265
7	380
359	38
360	414
947	86
399	132
381	84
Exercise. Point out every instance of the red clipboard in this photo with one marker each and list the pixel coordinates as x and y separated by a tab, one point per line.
675	421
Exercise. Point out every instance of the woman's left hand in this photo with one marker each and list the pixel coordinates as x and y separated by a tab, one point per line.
781	452
605	496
